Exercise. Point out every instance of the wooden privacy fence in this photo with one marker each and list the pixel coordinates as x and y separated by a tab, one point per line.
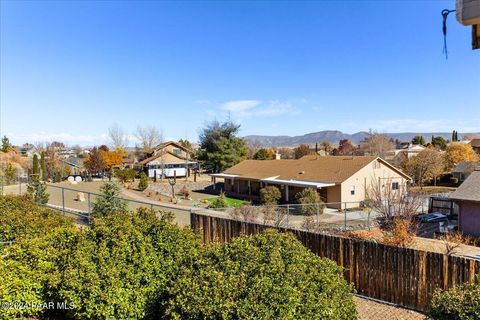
402	276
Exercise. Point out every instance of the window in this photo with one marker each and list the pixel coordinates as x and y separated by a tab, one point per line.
395	186
376	165
352	190
176	151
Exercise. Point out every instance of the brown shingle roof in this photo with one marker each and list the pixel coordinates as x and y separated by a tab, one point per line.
475	143
333	169
470	189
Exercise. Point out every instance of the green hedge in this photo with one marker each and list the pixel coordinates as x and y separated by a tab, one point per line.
459	303
138	265
269	276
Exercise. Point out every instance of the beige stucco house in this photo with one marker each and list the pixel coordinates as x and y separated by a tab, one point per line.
340	180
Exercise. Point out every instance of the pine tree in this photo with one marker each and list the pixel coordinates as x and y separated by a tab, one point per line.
110	201
38	190
6	145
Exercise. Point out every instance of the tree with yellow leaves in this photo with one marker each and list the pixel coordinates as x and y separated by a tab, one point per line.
112	158
458	152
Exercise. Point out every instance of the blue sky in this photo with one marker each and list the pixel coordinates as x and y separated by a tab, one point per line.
69	70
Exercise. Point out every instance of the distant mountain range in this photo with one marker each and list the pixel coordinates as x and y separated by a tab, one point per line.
334	137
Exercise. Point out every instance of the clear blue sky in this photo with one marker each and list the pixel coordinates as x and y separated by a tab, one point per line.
70	69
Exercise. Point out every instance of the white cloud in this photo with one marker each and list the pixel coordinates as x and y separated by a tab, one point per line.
239	106
276	108
248	108
62	137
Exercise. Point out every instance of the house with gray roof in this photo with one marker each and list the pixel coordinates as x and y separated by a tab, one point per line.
463	169
467	196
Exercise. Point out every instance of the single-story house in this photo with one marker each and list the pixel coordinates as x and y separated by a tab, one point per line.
398	156
463	169
467	196
170	159
75	164
475	143
337	179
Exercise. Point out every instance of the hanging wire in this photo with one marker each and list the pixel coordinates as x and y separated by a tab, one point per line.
445	13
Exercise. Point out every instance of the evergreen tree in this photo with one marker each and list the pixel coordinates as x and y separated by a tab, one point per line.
418	140
38	190
264	154
10	172
6	145
143	183
109	201
43	166
220	148
35	166
454	136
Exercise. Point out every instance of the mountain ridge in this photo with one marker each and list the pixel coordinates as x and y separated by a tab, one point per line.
334	136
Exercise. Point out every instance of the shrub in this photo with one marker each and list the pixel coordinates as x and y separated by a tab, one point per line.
185	192
109	201
461	302
125	175
219	202
28	265
270	195
310	202
121	267
269	276
22	218
245	212
143	183
402	234
38	191
20	282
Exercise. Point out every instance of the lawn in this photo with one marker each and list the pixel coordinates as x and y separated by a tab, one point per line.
433	189
232	202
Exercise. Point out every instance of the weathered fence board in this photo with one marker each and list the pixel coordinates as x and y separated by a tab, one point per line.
403	276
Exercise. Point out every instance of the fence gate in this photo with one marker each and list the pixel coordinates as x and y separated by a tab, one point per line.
443	205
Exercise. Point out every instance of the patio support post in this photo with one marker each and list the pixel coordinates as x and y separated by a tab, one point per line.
286	192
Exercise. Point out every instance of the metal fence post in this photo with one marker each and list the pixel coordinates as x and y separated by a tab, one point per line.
89	208
288	213
63	200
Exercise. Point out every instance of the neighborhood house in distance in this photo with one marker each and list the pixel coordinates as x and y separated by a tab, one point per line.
338	179
170	159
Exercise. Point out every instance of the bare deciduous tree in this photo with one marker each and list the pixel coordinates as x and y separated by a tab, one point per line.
391	201
326	146
118	136
149	137
377	144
